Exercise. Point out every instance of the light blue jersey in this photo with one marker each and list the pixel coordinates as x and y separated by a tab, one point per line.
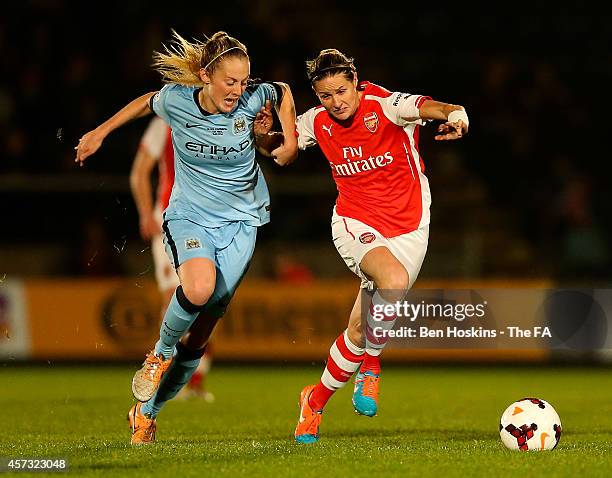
217	180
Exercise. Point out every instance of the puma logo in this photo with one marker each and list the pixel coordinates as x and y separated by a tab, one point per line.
328	129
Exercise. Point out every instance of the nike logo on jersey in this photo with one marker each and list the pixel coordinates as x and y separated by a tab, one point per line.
327	128
187	125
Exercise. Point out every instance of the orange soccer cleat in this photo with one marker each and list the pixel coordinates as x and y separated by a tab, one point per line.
307	430
147	379
143	428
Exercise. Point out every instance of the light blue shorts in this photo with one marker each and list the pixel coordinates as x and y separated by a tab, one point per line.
230	247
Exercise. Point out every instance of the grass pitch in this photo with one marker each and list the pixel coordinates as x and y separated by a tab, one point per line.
433	421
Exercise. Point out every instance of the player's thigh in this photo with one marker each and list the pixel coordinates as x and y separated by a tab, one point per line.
232	264
192	252
385	269
353	240
410	249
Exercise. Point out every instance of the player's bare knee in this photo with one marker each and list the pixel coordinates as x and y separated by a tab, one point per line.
198	291
396	279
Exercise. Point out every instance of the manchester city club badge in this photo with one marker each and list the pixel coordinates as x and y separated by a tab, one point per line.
240	125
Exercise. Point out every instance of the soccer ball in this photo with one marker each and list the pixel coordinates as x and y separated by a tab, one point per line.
530	424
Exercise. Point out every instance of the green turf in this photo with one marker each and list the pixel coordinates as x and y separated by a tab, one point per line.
433	421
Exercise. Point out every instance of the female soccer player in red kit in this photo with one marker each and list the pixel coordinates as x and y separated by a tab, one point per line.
380	223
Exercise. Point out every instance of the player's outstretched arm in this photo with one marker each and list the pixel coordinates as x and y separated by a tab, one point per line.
456	122
90	142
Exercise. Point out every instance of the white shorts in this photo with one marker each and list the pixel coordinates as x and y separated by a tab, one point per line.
354	239
165	275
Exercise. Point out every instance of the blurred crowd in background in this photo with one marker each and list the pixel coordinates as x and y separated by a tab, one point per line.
525	194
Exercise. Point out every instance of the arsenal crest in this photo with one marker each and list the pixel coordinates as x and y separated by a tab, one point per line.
371	122
367	237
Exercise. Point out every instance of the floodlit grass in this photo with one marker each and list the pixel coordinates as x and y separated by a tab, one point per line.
433	421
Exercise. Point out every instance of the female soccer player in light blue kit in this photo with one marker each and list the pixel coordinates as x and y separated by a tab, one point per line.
218	200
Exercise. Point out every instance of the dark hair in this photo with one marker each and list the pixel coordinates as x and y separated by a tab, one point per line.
329	63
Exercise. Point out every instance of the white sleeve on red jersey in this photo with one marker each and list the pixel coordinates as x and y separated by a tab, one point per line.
154	137
402	108
304	129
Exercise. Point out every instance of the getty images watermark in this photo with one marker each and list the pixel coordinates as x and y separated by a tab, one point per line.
457	312
578	320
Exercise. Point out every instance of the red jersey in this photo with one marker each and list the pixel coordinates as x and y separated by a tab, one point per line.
375	160
157	140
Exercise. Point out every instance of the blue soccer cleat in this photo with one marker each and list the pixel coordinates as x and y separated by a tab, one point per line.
365	395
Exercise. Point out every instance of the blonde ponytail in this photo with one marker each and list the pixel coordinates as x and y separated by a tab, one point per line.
182	59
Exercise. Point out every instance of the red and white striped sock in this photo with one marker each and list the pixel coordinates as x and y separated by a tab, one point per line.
344	358
377	325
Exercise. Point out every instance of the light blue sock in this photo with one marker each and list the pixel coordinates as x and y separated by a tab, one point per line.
179	316
184	364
